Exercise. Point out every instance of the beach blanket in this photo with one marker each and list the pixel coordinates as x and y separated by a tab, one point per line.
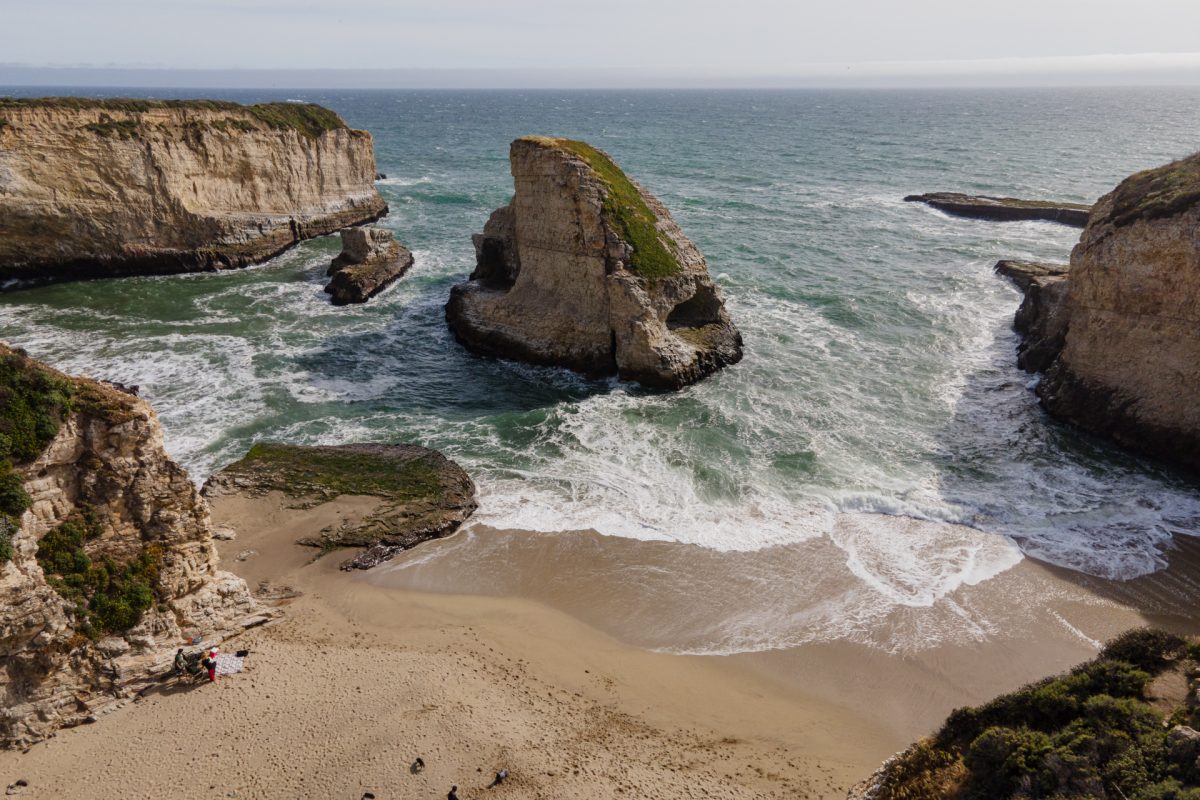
228	664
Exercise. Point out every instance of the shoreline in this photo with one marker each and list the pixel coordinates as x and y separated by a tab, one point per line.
359	678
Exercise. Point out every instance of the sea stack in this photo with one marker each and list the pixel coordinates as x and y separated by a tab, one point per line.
371	260
107	563
96	188
584	269
1127	359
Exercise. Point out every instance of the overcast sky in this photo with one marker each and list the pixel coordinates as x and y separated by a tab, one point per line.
652	40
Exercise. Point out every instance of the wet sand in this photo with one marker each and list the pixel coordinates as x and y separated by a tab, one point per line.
536	653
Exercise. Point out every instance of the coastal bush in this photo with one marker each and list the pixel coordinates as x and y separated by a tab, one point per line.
1087	734
624	206
1160	192
110	597
309	119
7	531
109	127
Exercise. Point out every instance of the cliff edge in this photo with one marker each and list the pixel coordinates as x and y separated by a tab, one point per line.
1124	357
106	556
585	269
97	188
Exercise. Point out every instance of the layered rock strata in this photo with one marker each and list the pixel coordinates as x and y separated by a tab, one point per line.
95	188
422	494
370	261
584	269
107	563
1004	209
1041	319
1120	337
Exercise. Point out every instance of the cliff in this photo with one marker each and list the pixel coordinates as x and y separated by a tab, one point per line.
585	269
419	494
94	188
1120	727
1126	360
1004	209
106	554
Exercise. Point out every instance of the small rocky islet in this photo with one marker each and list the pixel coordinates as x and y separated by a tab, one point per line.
1004	209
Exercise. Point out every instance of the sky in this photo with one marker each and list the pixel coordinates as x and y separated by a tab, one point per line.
626	42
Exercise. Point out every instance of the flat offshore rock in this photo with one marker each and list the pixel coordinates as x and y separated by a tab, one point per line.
1004	209
1023	272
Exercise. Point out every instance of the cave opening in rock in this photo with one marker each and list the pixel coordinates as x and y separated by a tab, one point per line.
702	308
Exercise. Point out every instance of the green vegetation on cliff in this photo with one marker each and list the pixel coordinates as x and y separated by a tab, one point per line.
1091	733
108	597
627	210
33	403
1160	192
326	473
308	119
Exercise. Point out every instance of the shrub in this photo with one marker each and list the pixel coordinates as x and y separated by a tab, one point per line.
1146	648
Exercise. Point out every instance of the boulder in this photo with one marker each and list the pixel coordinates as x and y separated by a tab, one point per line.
1004	209
584	269
370	261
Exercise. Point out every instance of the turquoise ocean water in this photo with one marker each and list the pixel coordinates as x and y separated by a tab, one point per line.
879	373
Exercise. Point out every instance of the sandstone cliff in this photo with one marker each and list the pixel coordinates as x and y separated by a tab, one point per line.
585	269
1124	330
92	188
106	554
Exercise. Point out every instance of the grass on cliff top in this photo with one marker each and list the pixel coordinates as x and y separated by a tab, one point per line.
108	597
1160	192
34	400
315	472
308	119
635	221
1087	734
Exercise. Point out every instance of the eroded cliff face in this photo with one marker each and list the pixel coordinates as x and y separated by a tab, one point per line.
1127	322
92	188
110	563
585	269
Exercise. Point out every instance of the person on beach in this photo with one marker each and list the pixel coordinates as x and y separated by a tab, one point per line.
210	664
500	776
180	663
453	795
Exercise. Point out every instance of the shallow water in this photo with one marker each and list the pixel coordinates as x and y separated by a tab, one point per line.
879	373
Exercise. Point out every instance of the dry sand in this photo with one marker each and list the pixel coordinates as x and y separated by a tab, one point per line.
359	678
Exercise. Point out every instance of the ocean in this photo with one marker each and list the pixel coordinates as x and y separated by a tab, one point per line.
880	373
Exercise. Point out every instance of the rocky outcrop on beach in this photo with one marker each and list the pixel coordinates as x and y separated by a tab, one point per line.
421	494
97	188
371	260
584	269
1004	209
107	562
1119	338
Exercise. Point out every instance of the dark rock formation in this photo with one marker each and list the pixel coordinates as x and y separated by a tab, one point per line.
106	555
1004	209
99	188
423	495
370	261
585	269
1022	273
1119	339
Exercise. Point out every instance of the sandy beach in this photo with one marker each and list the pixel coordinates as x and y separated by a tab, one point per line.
361	676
